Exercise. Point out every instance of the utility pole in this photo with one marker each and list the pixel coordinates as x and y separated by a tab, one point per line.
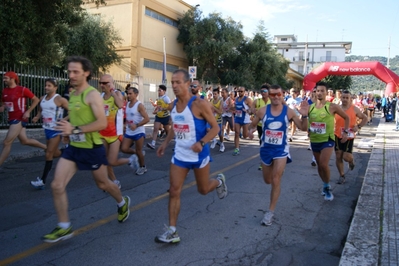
389	51
306	57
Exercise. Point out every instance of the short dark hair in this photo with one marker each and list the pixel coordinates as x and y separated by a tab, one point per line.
265	86
134	89
216	90
321	83
275	87
186	76
52	81
162	87
86	64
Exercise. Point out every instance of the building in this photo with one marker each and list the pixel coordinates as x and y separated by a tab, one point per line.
142	25
316	52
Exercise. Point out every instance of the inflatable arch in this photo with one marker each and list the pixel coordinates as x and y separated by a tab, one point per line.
350	69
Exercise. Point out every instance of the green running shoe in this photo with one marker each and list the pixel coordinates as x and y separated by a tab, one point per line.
123	212
58	234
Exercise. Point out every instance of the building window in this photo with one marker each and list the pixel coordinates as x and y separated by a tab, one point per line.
159	65
160	17
284	39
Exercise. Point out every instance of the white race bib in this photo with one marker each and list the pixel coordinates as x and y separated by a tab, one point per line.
182	131
47	121
350	134
274	137
78	137
10	106
238	113
318	128
106	108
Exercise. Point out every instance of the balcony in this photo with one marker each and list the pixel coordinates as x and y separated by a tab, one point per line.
328	58
299	60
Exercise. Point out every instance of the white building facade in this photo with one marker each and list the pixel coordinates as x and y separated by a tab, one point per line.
304	56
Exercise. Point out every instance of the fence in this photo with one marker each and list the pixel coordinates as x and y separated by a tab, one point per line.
34	79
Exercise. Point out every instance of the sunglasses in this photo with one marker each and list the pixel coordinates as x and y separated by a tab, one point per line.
263	91
241	91
278	94
104	83
194	86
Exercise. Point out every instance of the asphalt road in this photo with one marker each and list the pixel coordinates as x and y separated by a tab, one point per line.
306	231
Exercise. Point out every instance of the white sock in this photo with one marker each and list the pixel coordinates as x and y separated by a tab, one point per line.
220	183
120	204
153	142
173	228
64	225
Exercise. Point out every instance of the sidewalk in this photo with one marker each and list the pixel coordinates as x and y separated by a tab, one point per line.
373	235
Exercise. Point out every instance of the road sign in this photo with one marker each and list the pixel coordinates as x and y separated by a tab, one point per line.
192	70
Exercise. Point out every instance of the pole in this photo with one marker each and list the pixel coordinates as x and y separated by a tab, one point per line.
389	51
306	57
164	81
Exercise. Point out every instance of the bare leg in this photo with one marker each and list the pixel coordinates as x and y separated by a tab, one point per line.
272	175
322	160
177	177
12	134
339	162
31	142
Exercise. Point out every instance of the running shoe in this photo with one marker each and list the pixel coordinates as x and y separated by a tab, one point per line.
213	143
351	166
58	234
313	163
123	212
267	219
221	190
322	190
151	146
227	137
290	139
118	183
328	194
222	148
236	152
134	162
260	167
38	184
168	237
341	180
141	170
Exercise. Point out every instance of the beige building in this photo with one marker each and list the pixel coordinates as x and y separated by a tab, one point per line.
143	24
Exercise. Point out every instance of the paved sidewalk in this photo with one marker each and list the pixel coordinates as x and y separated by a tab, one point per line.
373	237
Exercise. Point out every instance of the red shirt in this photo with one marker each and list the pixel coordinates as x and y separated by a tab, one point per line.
15	101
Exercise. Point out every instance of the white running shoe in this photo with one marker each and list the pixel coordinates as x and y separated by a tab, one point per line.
221	190
118	183
134	162
141	170
213	143
221	149
38	184
267	219
168	237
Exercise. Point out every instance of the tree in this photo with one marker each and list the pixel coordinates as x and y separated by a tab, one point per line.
34	31
95	39
338	82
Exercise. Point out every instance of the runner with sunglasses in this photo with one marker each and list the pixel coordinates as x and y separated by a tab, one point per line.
274	150
241	118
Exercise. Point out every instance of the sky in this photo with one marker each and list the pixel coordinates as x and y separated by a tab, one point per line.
371	25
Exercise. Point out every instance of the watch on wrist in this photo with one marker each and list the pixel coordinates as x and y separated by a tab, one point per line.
76	130
202	143
346	131
359	127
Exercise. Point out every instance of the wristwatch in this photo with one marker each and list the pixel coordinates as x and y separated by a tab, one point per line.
359	127
76	130
345	131
202	143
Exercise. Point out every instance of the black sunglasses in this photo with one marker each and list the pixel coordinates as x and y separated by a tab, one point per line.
194	86
104	83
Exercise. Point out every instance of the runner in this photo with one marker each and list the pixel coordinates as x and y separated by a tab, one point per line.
14	99
343	150
86	151
322	139
241	119
274	151
189	116
51	109
227	114
370	104
112	135
217	109
162	115
136	118
293	102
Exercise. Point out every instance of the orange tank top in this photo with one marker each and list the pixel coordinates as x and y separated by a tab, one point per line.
340	123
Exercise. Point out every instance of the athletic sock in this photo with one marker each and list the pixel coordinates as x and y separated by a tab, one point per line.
64	225
47	169
120	204
173	228
220	183
153	142
326	184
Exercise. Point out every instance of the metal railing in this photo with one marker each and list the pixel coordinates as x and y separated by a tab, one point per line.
328	58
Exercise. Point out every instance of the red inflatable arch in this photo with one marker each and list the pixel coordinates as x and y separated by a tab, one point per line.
351	69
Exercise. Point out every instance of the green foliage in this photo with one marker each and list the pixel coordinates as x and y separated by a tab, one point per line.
222	55
94	39
338	82
35	32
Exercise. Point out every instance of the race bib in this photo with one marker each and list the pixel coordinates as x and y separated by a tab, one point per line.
78	137
182	131
47	121
318	128
10	106
350	134
106	108
274	137
238	113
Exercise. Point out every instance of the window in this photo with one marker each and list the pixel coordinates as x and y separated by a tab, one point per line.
284	39
160	17
159	65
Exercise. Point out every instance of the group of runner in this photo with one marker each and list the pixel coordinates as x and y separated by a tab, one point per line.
93	131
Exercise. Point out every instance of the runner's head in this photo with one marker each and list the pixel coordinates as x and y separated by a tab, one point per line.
321	91
225	93
106	83
276	95
180	82
10	79
264	90
216	93
79	70
161	90
346	98
195	87
51	86
132	93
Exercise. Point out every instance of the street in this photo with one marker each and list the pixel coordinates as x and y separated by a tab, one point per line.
307	230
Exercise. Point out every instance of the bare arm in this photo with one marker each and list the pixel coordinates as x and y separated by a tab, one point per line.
118	98
336	109
258	115
361	116
39	112
144	114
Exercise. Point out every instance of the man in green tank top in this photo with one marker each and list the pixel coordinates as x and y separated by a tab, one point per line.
321	133
85	150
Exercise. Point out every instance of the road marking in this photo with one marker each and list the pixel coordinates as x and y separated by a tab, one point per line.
108	219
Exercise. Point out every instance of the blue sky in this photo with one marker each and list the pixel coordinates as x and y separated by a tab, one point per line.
367	23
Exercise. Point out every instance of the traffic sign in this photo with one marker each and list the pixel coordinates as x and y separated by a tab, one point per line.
192	70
